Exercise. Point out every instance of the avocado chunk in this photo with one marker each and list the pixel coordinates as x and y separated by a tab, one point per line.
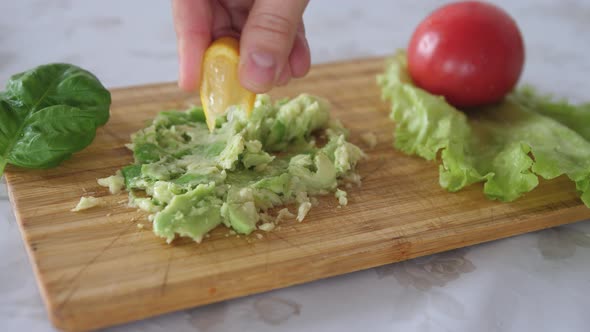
192	214
241	210
192	180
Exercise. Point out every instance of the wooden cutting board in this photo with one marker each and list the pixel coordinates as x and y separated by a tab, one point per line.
98	268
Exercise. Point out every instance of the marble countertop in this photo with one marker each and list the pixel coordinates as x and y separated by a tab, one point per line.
533	282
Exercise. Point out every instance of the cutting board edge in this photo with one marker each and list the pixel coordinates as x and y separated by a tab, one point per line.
43	291
71	325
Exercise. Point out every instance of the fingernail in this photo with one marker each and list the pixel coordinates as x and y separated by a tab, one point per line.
263	60
260	71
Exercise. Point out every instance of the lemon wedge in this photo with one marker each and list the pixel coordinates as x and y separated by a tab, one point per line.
220	87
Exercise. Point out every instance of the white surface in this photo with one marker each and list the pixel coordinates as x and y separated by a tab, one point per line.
534	282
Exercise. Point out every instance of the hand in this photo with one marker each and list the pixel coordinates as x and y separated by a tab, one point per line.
273	47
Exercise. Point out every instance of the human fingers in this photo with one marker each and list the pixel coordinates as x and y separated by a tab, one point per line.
192	23
222	22
300	58
284	76
267	40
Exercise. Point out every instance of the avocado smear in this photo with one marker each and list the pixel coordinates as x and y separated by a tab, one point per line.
191	180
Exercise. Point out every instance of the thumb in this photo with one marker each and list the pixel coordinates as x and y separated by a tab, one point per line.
267	40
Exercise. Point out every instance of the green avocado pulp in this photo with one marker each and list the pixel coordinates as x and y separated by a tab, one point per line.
192	180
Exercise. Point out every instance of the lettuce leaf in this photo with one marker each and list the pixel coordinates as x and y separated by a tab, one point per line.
506	146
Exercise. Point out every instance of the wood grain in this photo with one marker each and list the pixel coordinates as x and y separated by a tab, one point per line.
97	268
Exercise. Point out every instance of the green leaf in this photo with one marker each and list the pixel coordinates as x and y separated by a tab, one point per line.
48	113
58	84
575	117
51	136
9	124
507	146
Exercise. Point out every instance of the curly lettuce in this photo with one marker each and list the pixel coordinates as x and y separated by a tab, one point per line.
506	146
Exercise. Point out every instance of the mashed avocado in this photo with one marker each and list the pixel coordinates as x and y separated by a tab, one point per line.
86	203
115	183
193	180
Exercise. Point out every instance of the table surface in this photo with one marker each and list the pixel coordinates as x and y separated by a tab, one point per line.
537	281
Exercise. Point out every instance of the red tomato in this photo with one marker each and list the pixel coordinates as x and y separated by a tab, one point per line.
470	52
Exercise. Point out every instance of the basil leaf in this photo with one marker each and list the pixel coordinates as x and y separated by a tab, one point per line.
51	136
48	113
8	125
